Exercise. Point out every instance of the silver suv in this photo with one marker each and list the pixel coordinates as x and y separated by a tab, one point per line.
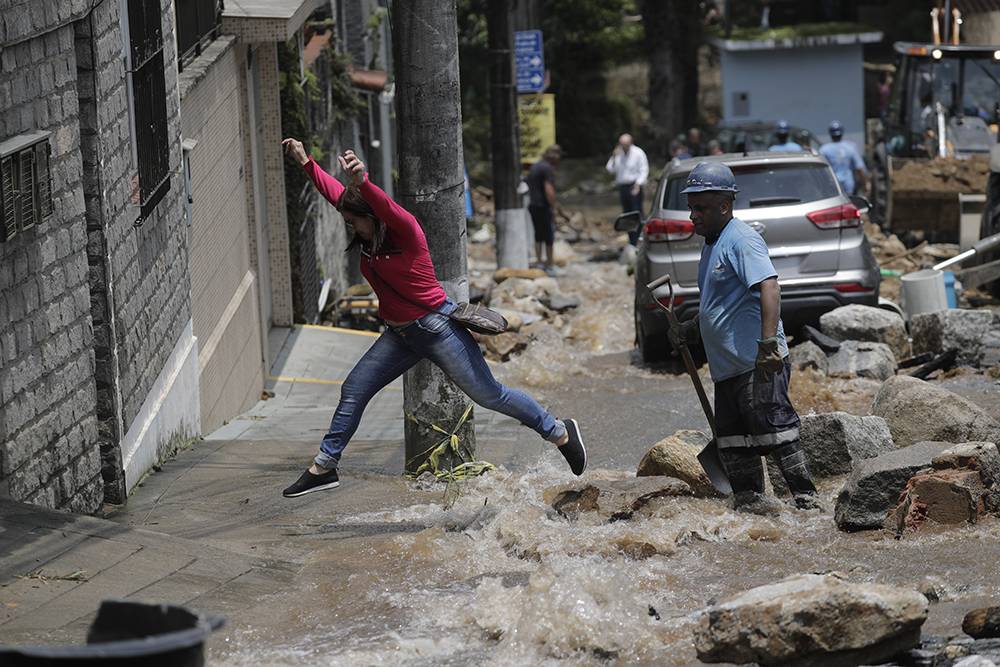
812	228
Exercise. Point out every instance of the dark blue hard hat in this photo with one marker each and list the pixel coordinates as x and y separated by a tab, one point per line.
710	177
836	129
782	127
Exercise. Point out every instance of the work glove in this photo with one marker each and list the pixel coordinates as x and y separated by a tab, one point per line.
769	356
687	332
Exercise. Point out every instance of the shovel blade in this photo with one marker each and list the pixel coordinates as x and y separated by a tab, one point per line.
712	465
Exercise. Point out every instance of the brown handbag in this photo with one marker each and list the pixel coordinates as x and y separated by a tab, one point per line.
475	317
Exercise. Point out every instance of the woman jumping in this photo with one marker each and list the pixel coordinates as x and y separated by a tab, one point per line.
396	262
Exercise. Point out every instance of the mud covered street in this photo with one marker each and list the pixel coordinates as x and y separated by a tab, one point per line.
411	573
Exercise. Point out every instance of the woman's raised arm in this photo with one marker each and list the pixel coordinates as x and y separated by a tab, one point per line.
327	185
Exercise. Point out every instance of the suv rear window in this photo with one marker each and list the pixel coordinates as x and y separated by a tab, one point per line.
767	185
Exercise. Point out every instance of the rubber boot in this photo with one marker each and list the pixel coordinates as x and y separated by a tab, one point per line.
746	475
794	468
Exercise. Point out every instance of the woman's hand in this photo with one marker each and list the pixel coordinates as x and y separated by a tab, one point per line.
353	165
295	149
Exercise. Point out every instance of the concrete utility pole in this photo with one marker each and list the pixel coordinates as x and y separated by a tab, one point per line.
511	223
431	186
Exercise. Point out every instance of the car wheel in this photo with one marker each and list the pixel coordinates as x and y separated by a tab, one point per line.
653	349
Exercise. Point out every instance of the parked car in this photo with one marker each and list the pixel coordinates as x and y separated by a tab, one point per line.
812	228
759	136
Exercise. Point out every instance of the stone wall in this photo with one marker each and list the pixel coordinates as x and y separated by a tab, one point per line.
48	428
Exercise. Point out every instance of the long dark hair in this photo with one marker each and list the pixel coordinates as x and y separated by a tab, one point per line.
352	202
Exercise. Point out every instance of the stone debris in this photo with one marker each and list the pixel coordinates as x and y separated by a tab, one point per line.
862	359
677	456
502	346
504	273
834	442
612	500
808	355
560	303
917	410
867	323
982	623
811	620
973	334
875	485
961	488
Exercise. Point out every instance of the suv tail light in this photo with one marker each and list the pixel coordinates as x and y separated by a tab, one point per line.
668	230
838	217
845	288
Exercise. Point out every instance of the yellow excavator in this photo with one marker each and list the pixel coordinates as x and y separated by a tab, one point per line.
931	152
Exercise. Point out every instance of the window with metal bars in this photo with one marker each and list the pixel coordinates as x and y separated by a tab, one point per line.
25	183
149	102
198	23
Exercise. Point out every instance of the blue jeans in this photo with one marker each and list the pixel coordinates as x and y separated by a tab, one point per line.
451	347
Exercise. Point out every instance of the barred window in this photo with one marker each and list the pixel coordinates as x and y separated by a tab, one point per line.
198	23
25	183
149	103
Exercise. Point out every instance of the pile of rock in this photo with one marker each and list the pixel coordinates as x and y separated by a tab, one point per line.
868	343
944	471
522	296
974	335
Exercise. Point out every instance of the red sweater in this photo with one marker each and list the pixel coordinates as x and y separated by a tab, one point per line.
403	261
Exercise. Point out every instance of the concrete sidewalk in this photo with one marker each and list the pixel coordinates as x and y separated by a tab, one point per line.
210	529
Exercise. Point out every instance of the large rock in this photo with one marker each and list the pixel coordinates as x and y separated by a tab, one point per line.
867	323
812	620
917	410
964	331
677	456
939	497
834	441
808	355
503	346
862	359
612	500
875	485
982	623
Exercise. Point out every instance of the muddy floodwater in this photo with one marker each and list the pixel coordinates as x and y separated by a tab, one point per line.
493	575
500	578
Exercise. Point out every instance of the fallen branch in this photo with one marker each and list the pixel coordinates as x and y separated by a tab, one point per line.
943	361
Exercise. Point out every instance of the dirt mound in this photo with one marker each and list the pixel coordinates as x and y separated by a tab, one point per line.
941	175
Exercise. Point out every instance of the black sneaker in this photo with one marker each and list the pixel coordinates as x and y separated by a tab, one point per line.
573	451
308	482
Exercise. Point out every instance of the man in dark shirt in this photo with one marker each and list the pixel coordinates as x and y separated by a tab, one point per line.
541	181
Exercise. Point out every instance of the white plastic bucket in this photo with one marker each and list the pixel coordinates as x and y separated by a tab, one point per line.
923	292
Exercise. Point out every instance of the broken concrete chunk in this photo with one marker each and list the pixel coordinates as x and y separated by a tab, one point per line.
981	456
942	497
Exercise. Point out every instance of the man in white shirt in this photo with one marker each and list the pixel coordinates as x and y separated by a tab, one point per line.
631	169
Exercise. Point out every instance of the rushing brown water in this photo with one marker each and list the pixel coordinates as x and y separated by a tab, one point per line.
499	578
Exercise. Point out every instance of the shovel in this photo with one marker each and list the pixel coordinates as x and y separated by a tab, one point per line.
709	456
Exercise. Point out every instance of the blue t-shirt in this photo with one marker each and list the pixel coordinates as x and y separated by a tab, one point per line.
843	156
787	147
729	313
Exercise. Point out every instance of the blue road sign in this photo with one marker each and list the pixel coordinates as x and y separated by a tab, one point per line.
529	60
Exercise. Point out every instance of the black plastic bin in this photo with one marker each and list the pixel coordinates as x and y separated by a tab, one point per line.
128	633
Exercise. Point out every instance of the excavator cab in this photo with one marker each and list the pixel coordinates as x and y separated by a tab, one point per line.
931	155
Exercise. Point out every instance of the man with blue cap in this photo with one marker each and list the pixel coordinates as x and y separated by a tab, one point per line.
740	327
843	156
784	145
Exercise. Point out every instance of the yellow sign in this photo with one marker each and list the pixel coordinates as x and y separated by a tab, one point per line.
536	115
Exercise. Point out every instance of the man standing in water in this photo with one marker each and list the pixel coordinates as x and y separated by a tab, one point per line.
739	324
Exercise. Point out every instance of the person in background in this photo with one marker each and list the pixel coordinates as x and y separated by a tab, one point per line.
678	150
541	182
397	263
630	167
884	94
714	147
740	327
693	142
843	156
784	145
